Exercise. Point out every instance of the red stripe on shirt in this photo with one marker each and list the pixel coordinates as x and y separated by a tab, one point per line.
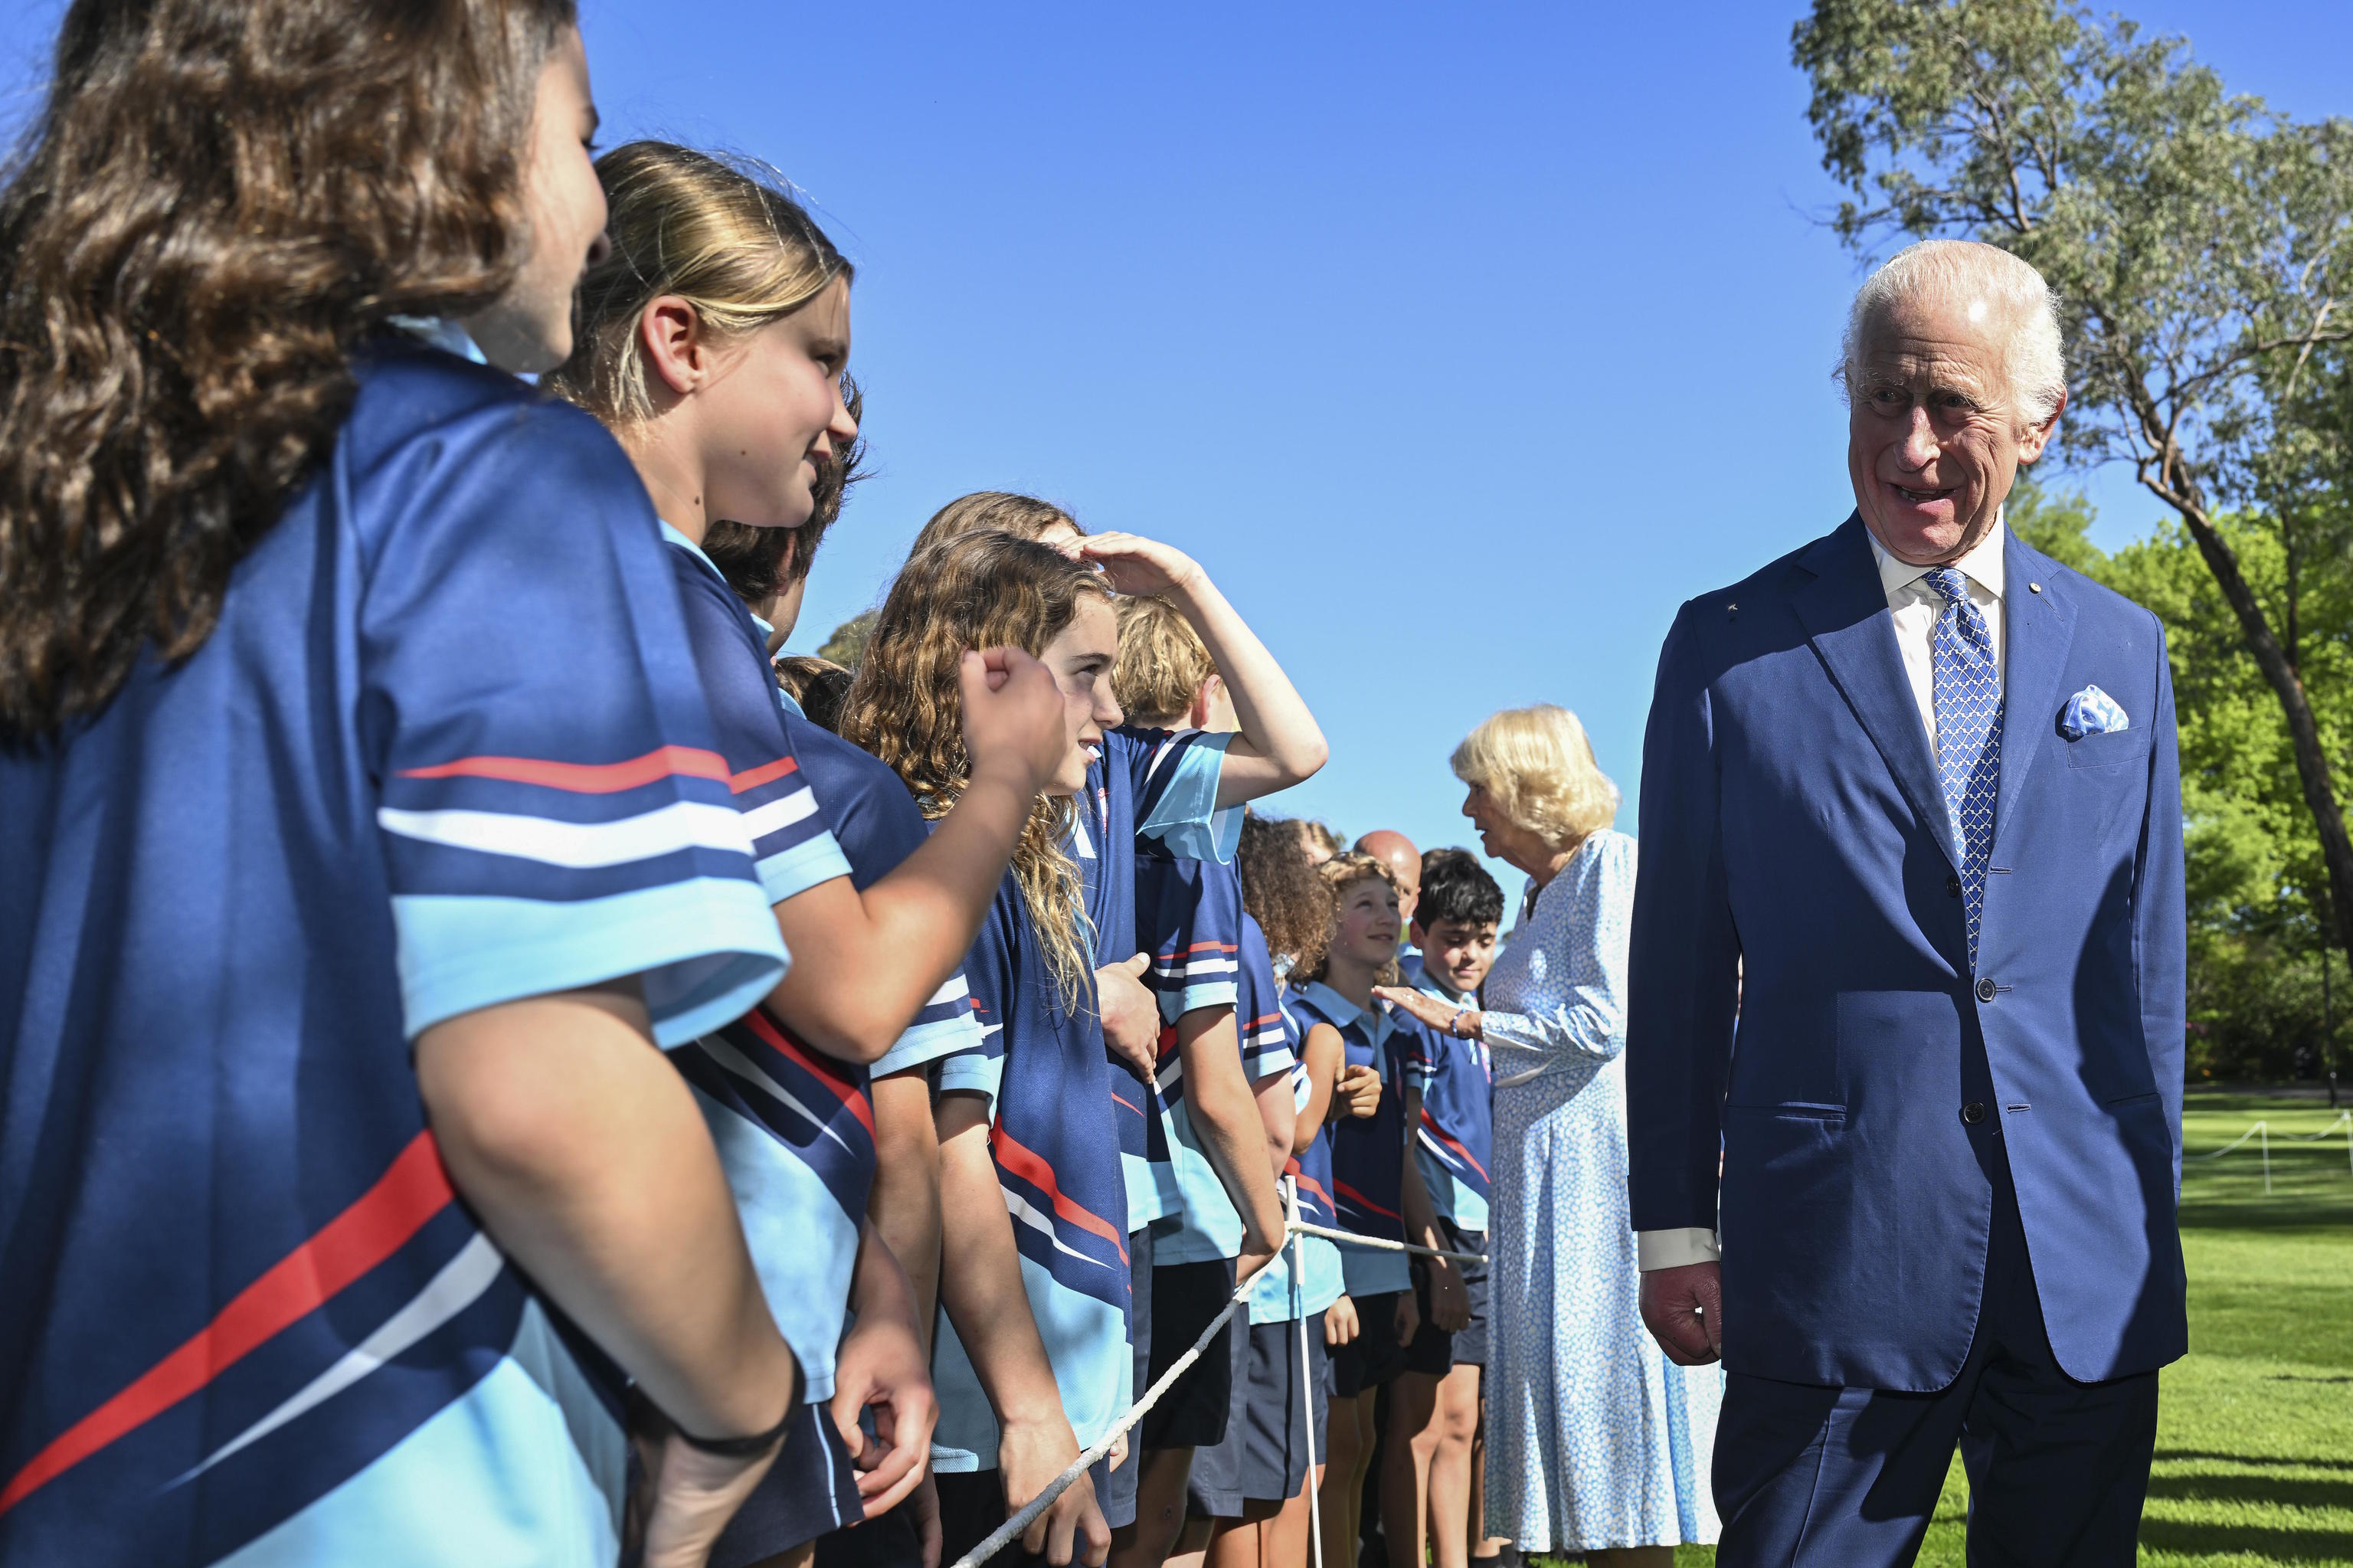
1309	1182
1032	1167
1450	1143
824	1071
607	777
1364	1203
373	1227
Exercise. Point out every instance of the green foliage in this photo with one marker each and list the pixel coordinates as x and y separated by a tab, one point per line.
2201	245
2258	889
846	646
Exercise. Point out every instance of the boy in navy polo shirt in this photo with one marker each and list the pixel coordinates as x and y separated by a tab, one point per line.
1433	1420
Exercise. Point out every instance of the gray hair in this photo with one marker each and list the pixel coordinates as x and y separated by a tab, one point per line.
1980	273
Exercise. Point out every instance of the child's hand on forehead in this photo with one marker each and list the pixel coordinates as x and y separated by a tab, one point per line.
1135	564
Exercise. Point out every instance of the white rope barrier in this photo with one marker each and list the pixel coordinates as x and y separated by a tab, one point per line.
1295	1228
1349	1238
2260	1133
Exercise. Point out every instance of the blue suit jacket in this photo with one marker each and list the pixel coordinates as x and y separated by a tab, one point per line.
1800	997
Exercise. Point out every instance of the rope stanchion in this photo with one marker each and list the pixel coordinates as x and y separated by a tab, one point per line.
1295	1228
2217	1154
1298	1243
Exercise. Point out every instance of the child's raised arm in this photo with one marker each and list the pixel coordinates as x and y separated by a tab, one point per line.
865	963
1280	744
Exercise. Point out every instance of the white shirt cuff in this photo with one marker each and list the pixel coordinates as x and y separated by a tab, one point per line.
1675	1249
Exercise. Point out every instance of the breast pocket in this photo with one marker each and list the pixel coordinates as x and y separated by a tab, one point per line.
2117	749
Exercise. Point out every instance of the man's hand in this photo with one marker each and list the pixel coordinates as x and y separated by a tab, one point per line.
1360	1091
1029	1457
881	1365
1449	1300
1340	1322
1683	1309
1131	1015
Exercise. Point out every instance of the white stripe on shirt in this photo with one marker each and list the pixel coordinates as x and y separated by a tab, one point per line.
682	824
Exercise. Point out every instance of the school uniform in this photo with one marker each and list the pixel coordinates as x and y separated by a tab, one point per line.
1189	919
1367	1187
1452	1147
244	1316
1160	787
1278	1405
794	1127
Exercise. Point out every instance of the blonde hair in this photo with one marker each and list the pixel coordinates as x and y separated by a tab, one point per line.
1162	662
1339	874
986	589
1001	511
729	240
1539	766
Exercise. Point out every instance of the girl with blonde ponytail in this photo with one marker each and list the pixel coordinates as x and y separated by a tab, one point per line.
714	341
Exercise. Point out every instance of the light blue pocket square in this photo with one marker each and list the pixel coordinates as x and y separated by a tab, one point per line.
2090	712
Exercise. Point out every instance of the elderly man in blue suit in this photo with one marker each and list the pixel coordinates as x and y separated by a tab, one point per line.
1908	963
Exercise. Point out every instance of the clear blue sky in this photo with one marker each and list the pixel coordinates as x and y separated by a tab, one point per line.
1459	353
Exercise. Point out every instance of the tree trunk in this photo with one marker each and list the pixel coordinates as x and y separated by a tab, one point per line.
2303	731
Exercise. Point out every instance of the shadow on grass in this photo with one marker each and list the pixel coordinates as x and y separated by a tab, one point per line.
2260	1542
2252	1461
2280	1491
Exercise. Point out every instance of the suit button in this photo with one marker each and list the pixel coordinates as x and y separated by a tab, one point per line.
1985	988
1952	887
1973	1112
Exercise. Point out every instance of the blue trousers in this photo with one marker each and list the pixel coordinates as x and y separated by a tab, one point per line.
2058	1470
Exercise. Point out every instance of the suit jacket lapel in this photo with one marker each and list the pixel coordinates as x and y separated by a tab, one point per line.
2037	628
1845	611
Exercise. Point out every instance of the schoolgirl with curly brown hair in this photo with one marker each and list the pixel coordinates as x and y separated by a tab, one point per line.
343	900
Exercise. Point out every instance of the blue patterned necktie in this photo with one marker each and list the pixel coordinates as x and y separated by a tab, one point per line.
1969	733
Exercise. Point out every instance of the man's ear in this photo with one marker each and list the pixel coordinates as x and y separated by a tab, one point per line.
2038	437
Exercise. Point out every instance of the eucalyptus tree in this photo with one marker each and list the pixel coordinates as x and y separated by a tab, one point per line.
2203	246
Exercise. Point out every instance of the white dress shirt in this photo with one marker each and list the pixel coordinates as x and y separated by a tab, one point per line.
1915	606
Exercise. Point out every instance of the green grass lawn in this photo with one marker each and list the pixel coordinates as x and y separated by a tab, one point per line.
2254	1442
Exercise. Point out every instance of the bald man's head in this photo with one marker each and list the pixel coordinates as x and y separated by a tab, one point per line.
1396	851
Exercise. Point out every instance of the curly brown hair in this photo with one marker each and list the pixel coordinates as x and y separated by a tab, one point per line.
1338	875
993	511
219	202
1281	891
984	589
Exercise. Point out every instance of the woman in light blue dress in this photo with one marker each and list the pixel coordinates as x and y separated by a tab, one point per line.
1596	1442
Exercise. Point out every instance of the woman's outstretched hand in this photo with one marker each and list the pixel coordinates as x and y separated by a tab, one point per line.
1420	1005
1013	716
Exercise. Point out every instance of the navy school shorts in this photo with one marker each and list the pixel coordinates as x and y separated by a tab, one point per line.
1277	1410
1374	1356
811	1491
1434	1351
1185	1298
